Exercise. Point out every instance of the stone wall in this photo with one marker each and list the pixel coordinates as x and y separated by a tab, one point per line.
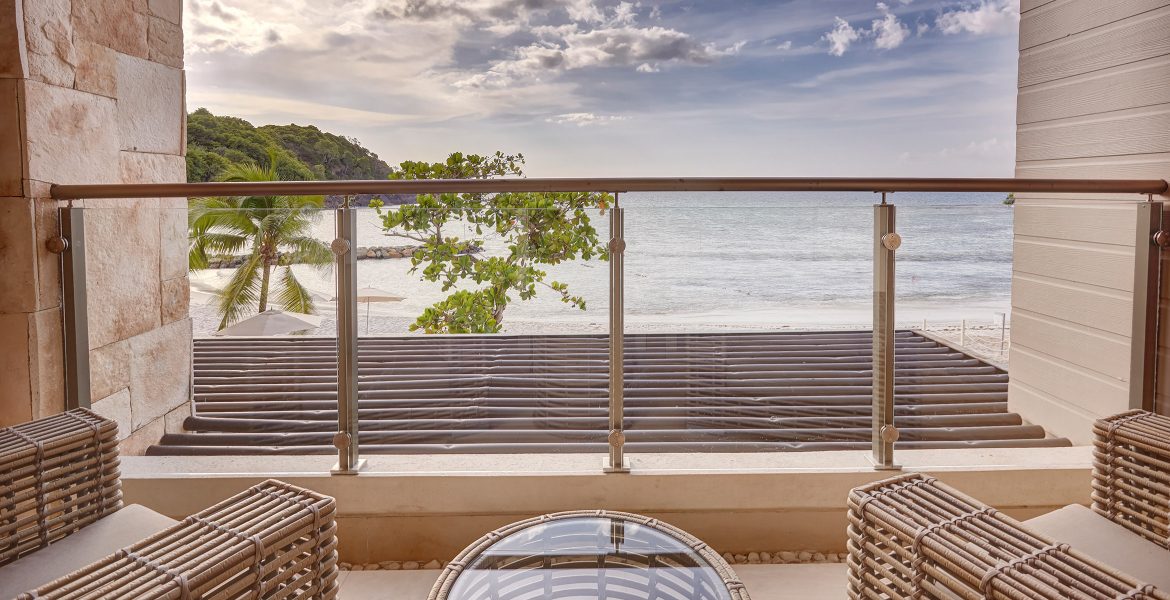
92	91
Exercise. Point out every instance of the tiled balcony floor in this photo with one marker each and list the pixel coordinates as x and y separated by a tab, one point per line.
764	582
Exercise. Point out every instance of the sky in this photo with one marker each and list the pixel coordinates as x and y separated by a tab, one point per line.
609	88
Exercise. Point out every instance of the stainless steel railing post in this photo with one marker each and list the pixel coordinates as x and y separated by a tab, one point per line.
616	463
349	460
1149	240
885	242
71	246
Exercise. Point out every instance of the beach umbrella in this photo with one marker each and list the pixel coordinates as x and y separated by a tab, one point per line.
369	295
272	322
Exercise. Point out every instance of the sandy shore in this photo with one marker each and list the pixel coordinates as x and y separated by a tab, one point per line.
546	316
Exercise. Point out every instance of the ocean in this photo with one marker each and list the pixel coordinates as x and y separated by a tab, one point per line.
724	262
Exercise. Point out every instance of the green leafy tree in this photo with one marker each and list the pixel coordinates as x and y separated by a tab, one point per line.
216	142
538	230
275	231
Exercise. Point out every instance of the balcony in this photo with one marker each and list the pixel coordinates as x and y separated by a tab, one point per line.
826	339
460	434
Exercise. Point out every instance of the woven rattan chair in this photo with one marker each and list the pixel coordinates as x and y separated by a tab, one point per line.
914	537
65	534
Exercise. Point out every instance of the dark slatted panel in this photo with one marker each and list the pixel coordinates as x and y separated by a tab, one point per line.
684	393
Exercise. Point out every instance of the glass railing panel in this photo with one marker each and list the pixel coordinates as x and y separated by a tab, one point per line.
263	317
748	321
483	332
954	276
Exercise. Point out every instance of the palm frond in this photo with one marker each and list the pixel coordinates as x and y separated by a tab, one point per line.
291	295
308	251
242	291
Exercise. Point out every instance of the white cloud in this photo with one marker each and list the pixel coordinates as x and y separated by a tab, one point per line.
888	30
647	68
625	13
585	11
841	37
786	46
989	147
618	46
584	119
986	17
219	26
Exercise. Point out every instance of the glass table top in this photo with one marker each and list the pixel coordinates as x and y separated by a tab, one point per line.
586	558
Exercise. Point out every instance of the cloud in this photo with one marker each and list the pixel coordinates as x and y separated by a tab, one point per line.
784	46
620	46
585	11
989	17
216	26
841	37
584	119
888	30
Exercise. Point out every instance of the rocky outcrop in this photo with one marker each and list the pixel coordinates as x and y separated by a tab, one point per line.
362	253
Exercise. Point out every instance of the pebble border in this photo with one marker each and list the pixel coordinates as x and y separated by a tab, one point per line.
750	558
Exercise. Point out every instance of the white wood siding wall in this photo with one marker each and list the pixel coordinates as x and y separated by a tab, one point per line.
1094	101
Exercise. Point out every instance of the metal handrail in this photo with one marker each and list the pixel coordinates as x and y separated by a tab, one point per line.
617	184
885	243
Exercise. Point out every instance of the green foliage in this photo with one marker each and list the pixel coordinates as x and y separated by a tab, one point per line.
1010	200
274	230
214	143
538	229
329	156
234	141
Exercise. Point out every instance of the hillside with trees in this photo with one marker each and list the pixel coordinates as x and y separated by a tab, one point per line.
215	143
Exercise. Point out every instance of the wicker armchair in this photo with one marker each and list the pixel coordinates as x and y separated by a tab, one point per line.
61	502
914	537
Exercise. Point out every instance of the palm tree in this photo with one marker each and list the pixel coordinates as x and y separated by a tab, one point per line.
275	230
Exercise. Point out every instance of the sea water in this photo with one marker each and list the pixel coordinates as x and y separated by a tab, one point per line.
724	261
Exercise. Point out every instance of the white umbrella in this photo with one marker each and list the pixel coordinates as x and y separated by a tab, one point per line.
272	322
370	295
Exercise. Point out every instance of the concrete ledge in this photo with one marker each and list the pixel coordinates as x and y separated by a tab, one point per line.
424	507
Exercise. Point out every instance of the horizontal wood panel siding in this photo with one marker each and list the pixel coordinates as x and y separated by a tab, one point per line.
1137	166
1052	412
1028	5
1078	262
1121	133
1063	18
1144	83
1094	102
1098	223
1063	380
1098	308
1104	353
1137	38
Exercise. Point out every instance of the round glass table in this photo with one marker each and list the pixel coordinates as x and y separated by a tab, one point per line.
584	555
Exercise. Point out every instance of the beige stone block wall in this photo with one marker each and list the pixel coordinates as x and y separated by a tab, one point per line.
1094	102
92	91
